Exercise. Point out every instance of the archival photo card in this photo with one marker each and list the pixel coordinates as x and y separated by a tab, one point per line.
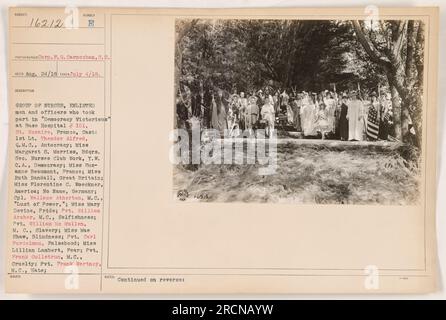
222	151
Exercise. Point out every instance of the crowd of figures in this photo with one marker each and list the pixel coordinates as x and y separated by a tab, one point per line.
346	116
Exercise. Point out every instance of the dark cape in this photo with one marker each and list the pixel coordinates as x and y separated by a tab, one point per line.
343	122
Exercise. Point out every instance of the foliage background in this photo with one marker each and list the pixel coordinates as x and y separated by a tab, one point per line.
307	55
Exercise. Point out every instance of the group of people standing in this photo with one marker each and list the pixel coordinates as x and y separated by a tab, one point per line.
324	115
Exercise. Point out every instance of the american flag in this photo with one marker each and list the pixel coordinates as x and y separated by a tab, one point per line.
372	124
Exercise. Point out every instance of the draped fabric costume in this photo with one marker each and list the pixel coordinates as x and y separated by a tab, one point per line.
355	120
331	108
307	116
289	113
219	116
343	122
284	98
373	122
296	115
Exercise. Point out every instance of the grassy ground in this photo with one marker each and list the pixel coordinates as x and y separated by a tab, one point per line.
312	171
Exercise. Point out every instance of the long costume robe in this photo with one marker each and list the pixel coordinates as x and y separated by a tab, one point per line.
355	120
308	116
343	122
296	115
330	109
289	113
219	118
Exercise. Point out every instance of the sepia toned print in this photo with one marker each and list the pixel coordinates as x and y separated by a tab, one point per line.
298	111
222	151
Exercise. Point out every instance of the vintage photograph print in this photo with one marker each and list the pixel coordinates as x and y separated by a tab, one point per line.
298	111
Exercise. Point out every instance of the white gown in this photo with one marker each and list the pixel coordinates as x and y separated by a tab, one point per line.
355	115
307	117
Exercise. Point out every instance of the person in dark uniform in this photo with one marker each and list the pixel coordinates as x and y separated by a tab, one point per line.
260	102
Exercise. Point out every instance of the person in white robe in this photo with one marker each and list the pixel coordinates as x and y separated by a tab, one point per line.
330	104
308	111
355	116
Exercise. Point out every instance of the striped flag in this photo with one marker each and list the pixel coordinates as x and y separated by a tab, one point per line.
372	124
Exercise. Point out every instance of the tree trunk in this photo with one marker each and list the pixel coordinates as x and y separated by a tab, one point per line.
400	72
405	119
396	107
180	32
